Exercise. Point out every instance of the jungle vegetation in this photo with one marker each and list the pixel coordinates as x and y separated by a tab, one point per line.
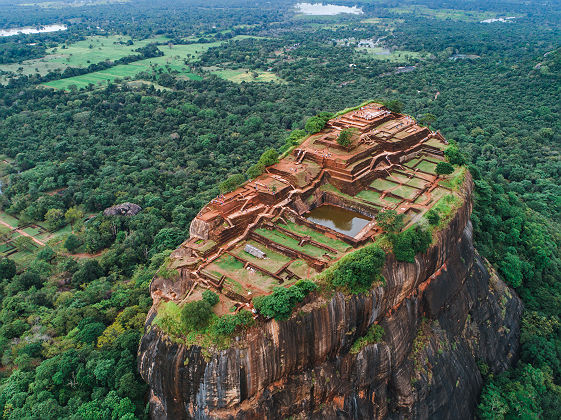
72	311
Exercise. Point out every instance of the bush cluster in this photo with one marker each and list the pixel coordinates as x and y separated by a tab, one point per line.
357	271
455	157
268	158
345	137
281	302
228	324
231	183
196	315
407	244
316	124
444	168
293	139
374	335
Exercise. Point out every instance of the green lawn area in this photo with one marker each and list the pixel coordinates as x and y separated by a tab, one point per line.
24	259
5	248
56	236
436	143
302	269
417	182
455	179
401	56
31	231
431	158
411	163
443	14
228	263
427	166
437	193
280	238
398	177
79	54
383	184
121	71
316	236
235	286
392	199
405	191
6	218
174	59
245	75
234	269
446	207
272	263
421	199
372	197
4	230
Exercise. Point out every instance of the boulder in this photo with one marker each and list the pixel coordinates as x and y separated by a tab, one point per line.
125	209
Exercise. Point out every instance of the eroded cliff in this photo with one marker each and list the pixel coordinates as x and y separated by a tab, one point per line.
443	317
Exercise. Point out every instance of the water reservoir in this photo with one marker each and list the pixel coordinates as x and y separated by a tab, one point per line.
339	219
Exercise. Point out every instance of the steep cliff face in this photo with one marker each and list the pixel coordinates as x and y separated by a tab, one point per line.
443	316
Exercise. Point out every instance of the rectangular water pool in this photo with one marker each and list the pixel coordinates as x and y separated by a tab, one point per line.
339	219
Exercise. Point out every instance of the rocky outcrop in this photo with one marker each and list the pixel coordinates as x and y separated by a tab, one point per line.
443	316
125	209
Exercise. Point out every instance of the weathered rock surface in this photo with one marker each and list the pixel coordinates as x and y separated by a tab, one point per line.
442	316
125	209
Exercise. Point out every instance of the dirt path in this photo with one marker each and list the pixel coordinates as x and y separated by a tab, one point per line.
83	254
21	232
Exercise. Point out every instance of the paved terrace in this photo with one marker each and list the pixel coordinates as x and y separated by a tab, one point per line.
389	165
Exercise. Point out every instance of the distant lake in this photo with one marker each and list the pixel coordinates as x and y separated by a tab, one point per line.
33	30
319	9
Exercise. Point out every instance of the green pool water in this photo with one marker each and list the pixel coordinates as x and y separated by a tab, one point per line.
339	219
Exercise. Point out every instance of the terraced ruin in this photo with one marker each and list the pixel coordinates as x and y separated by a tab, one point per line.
267	233
277	346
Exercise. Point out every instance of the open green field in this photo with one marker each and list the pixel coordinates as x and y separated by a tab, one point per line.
455	179
422	199
411	163
436	143
4	248
374	198
316	236
302	269
397	56
272	263
173	60
417	182
426	166
405	192
386	23
31	231
24	258
92	50
383	184
398	177
6	218
432	158
280	238
120	72
443	14
57	236
245	75
234	269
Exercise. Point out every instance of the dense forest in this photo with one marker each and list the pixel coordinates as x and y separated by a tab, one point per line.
72	309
